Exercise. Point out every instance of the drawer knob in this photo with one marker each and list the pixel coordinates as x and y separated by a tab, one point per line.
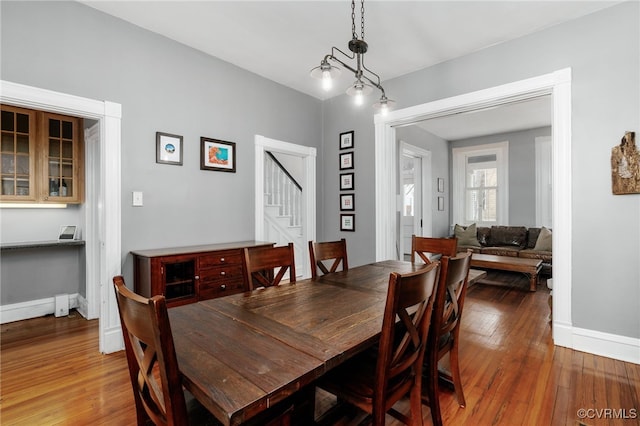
197	277
223	273
222	259
223	287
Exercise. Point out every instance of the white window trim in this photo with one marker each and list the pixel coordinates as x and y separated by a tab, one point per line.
544	181
460	155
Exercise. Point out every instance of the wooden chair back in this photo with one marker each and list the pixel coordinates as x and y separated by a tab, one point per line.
260	263
423	246
410	299
330	250
151	356
445	329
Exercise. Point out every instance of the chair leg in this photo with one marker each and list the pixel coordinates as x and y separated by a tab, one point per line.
455	374
416	405
430	387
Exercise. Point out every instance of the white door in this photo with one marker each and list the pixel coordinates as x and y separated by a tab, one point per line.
416	194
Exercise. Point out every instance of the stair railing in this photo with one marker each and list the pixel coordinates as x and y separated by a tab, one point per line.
283	190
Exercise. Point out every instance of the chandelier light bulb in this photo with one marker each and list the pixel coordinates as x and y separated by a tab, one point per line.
358	96
384	109
327	82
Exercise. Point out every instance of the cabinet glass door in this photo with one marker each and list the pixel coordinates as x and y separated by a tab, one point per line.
16	151
60	157
180	279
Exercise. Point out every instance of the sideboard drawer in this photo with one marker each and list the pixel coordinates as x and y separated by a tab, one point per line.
229	257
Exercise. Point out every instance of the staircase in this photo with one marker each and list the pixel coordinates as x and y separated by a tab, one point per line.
283	208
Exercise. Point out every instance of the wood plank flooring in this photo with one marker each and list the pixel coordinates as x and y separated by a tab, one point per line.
52	373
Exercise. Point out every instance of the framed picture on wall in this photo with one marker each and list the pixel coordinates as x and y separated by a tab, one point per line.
347	202
348	222
441	204
168	149
217	155
346	140
346	160
440	185
346	181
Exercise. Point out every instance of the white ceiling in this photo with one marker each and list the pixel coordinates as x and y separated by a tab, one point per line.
284	40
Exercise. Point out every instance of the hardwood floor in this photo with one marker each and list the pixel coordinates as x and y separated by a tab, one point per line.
52	372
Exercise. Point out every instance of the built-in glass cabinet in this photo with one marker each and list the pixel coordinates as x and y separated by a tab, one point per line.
41	157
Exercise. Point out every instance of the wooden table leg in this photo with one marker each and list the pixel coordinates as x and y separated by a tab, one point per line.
533	281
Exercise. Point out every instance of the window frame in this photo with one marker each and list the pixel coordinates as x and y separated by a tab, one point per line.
459	160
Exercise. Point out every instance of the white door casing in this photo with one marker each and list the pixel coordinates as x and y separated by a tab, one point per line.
558	85
308	155
104	207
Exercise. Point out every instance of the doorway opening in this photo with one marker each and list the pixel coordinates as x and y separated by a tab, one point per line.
416	192
307	179
558	86
102	207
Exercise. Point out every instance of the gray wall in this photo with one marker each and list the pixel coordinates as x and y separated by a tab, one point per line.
522	171
602	51
162	86
439	148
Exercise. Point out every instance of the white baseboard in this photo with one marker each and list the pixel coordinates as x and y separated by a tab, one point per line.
113	340
33	309
596	342
604	344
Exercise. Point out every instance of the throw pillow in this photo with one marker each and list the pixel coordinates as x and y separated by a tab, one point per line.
466	237
543	243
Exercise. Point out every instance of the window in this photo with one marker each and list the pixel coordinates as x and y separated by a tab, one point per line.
480	184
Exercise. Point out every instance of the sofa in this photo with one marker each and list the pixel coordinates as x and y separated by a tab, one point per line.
516	241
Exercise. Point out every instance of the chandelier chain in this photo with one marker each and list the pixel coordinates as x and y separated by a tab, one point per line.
362	18
353	20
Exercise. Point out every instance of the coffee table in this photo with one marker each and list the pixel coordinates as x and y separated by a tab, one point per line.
530	267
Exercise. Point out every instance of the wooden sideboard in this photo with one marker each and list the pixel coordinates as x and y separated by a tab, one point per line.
188	274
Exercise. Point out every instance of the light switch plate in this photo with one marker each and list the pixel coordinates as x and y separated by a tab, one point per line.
137	198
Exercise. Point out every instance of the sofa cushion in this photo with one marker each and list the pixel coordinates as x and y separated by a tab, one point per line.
466	236
501	250
532	237
544	240
545	256
508	236
484	235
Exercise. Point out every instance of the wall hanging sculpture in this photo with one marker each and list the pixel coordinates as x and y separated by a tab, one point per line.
625	166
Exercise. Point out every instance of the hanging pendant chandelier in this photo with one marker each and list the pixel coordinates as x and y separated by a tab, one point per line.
366	79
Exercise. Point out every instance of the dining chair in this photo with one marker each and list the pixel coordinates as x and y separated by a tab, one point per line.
260	263
153	366
423	246
330	250
375	380
445	332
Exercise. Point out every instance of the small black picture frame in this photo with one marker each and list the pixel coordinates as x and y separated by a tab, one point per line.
346	182
348	222
346	139
347	202
346	160
168	149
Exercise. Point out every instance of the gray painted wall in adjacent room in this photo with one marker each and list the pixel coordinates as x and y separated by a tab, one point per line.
602	51
522	171
162	86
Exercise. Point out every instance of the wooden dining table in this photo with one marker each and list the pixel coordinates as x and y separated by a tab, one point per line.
241	354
